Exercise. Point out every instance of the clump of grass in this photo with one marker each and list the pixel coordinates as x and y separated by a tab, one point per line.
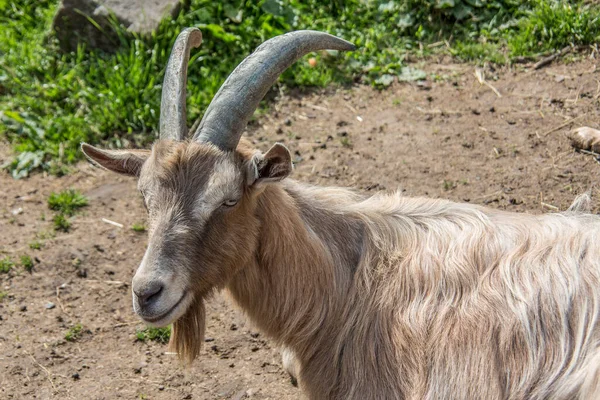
3	295
35	245
27	263
61	223
552	25
67	202
138	227
6	264
345	141
74	333
160	335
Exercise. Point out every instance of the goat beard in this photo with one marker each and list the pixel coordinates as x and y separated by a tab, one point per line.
187	333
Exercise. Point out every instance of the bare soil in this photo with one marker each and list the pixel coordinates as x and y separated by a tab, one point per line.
451	138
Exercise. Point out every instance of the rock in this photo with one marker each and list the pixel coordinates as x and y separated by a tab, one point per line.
585	138
72	26
50	305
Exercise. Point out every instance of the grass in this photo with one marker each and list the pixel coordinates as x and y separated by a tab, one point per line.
138	227
67	202
74	333
160	335
36	245
27	263
3	295
51	101
6	264
61	223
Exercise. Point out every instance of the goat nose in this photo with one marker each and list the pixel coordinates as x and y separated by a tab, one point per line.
149	293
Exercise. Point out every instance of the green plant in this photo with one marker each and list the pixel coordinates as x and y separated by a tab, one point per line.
67	202
61	223
160	335
6	264
3	295
554	24
74	333
27	263
35	245
138	227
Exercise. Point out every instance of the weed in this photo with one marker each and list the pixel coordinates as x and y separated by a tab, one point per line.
35	245
137	227
345	141
61	223
6	264
160	335
3	295
27	263
73	333
448	185
67	202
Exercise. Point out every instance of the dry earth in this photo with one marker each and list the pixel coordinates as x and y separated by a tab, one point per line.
451	138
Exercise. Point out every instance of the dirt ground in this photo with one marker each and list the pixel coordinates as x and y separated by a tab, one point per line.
451	138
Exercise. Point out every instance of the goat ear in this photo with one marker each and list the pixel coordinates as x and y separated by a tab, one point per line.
273	166
128	162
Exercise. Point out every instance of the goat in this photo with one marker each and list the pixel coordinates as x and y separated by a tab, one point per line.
382	297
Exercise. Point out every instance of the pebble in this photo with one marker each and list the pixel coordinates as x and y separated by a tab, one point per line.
23	308
50	305
75	376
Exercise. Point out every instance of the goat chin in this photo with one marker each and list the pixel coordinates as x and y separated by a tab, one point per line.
187	333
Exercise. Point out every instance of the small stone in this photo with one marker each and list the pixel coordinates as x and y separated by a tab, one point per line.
233	327
161	387
279	130
75	376
287	122
23	308
82	273
50	305
209	339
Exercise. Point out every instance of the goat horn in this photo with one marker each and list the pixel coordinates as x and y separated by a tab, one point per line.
235	102
173	119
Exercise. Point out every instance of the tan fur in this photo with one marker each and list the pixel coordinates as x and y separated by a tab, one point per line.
389	297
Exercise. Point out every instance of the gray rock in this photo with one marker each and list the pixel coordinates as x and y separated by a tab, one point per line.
72	20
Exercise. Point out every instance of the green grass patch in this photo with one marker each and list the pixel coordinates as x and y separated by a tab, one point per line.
6	264
51	101
160	335
552	25
36	245
27	263
138	227
61	223
74	333
67	202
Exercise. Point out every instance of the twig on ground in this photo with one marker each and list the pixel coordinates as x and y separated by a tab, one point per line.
49	375
548	60
550	206
108	282
59	301
480	75
108	221
561	125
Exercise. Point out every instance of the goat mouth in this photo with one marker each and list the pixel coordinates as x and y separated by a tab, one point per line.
166	314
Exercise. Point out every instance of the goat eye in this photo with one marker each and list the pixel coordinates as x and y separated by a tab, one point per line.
230	202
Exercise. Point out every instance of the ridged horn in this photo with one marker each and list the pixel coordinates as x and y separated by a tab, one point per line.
173	119
235	102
